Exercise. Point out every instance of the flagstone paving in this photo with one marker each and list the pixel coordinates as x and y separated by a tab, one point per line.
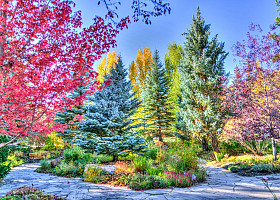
220	184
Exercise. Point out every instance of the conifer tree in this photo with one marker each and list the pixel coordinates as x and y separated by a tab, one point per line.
201	76
107	127
156	107
68	117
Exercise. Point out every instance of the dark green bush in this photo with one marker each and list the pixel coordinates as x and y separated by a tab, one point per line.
152	154
232	147
4	152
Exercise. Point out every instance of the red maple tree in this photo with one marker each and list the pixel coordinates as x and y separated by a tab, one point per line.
45	53
254	96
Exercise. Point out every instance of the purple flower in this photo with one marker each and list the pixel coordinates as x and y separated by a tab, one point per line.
265	178
193	177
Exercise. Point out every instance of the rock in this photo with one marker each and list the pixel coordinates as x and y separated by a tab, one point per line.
107	168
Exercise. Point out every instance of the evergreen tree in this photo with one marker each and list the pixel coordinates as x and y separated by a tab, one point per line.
68	117
156	107
108	127
201	73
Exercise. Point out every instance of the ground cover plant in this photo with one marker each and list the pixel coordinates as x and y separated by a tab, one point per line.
249	165
29	193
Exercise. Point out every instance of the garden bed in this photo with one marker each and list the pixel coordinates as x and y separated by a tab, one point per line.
29	193
250	165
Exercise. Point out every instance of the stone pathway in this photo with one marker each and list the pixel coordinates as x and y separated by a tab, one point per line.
220	184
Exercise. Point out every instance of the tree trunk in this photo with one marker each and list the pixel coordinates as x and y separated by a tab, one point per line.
215	144
274	152
115	158
204	144
160	139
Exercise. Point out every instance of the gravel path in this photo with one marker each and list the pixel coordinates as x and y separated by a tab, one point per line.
220	184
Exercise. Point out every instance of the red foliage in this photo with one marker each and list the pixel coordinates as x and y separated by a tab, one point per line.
254	95
44	54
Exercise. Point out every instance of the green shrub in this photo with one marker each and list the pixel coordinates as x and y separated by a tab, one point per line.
76	155
44	164
263	168
161	155
219	156
15	161
101	158
232	147
140	182
182	161
155	171
200	174
152	154
4	152
69	169
140	164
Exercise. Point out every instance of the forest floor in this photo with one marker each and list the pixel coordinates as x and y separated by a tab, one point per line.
220	184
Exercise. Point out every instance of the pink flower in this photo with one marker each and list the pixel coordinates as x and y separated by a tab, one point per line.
265	178
193	177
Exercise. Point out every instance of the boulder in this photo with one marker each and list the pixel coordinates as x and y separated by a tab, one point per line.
107	168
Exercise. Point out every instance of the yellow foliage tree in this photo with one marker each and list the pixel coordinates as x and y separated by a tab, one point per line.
172	60
106	65
138	70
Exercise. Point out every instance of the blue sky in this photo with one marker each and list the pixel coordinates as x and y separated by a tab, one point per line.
229	19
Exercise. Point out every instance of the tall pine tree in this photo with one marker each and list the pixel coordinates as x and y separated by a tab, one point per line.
108	127
201	75
156	107
68	117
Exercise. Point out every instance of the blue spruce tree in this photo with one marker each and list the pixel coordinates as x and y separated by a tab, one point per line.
201	72
108	127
